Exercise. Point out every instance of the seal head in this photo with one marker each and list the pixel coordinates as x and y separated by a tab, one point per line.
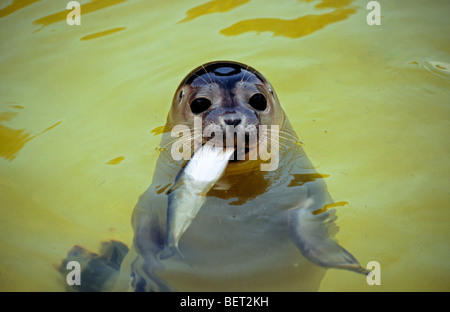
227	96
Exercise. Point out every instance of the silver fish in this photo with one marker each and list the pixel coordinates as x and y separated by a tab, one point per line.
188	194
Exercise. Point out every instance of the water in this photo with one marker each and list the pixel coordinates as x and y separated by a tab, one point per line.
370	103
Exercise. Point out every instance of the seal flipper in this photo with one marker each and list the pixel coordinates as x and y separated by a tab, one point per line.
98	271
310	233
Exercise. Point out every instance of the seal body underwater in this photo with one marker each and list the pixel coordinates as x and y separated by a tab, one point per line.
264	224
257	229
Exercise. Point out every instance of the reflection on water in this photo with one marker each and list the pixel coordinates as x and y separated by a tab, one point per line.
14	6
214	6
102	33
323	4
332	205
292	28
302	178
116	161
13	140
92	6
240	189
295	28
165	188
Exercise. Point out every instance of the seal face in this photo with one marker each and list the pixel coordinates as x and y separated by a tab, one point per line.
231	98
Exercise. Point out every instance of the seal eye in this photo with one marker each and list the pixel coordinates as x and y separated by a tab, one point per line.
258	101
199	105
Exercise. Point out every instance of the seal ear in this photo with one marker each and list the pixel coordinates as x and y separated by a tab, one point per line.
180	95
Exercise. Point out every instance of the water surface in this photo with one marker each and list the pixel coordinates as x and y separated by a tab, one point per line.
78	105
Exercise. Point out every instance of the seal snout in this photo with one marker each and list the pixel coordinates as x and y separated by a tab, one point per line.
236	128
231	119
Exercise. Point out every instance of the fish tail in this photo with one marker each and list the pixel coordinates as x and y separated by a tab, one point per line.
170	251
177	251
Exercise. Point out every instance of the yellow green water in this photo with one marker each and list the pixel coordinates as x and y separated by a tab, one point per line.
370	103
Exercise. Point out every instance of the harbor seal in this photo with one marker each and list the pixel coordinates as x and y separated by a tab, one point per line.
259	221
253	223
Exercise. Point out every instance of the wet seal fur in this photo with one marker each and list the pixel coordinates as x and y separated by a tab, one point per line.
257	230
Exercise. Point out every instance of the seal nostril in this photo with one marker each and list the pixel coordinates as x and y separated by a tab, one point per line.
232	121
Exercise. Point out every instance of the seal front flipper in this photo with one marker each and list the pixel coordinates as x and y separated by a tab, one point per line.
311	235
99	272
